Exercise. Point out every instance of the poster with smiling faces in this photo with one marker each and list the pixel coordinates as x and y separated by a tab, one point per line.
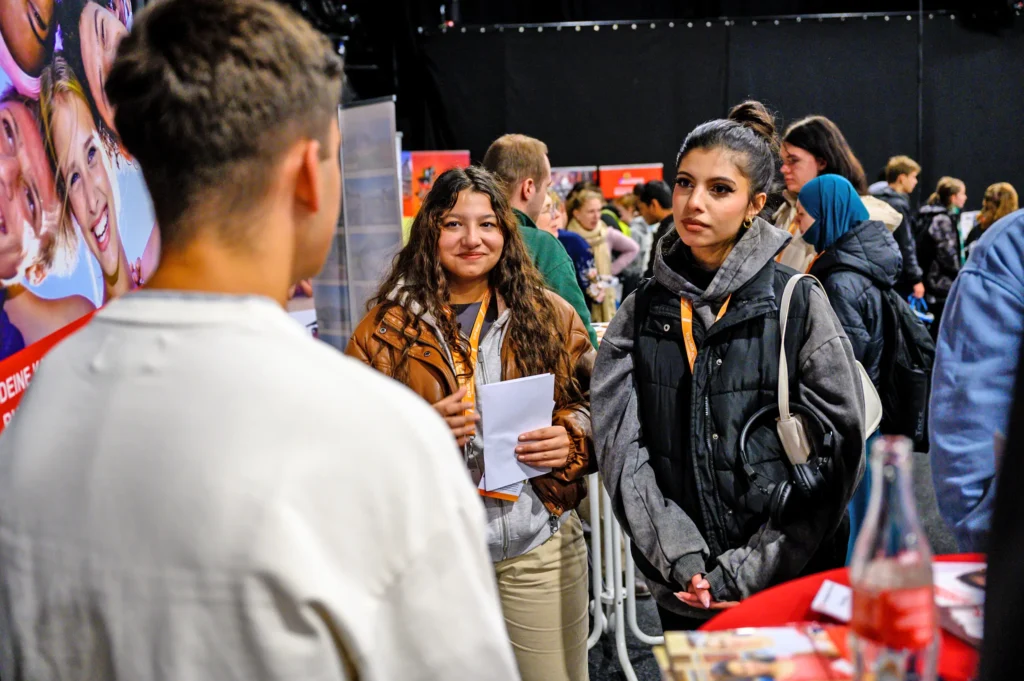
76	224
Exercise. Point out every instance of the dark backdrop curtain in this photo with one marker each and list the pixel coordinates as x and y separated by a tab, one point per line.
630	96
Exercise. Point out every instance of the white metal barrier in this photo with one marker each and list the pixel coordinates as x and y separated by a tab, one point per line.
614	602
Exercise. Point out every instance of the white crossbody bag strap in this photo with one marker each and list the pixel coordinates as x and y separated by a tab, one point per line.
792	430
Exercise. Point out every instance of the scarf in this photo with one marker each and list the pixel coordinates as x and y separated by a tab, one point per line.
833	203
598	241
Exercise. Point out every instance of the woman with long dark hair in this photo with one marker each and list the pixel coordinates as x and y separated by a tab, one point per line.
816	146
687	362
461	307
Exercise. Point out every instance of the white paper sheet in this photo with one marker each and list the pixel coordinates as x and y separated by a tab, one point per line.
834	600
952	584
507	410
513	490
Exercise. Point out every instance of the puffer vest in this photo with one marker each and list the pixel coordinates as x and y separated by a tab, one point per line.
691	421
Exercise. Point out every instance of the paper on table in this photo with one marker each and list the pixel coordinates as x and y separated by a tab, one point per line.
834	600
959	584
507	410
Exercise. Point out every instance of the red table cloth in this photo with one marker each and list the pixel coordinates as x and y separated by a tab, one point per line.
791	602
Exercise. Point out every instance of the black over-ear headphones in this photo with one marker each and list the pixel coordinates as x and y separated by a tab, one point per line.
808	480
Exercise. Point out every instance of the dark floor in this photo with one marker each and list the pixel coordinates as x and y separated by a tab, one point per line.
604	662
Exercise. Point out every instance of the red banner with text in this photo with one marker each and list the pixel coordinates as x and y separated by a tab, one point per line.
17	370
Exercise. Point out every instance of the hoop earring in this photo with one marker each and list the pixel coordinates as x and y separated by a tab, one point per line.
748	223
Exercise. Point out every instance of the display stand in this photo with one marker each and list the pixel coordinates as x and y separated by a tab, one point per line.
369	232
614	603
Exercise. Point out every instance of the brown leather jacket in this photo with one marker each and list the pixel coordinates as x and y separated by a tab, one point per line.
430	375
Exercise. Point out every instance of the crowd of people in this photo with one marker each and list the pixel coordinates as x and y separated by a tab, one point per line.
227	497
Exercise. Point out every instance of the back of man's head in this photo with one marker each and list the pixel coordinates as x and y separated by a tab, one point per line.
515	159
900	165
210	94
657	190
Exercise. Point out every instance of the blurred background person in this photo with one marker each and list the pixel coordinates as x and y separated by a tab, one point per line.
584	210
972	384
811	147
639	232
465	284
939	248
999	201
900	180
521	165
613	215
656	209
553	220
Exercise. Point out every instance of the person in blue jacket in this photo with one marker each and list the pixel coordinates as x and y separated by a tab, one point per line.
972	384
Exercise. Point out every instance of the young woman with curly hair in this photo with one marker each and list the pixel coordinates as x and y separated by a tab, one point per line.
464	306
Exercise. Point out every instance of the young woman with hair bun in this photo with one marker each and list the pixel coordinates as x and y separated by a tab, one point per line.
686	362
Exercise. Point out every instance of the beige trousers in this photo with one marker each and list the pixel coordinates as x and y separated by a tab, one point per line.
544	599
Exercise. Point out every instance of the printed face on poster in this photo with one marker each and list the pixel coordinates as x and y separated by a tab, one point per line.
76	223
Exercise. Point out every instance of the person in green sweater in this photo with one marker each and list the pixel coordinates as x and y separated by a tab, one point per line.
521	164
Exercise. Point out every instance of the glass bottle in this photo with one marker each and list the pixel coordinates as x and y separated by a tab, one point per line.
894	632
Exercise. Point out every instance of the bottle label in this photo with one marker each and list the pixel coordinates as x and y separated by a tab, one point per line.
902	619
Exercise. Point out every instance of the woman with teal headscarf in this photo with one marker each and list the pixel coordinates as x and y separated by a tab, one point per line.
857	260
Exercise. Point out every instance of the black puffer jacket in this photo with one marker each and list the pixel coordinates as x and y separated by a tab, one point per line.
904	235
668	435
938	241
855	270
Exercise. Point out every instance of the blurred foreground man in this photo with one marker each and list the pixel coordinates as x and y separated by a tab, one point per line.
193	488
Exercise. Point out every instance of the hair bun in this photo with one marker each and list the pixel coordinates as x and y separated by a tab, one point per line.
752	114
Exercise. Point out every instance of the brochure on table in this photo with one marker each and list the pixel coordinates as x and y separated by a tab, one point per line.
959	596
798	652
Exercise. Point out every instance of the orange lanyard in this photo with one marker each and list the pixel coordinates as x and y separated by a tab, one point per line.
814	260
686	318
465	368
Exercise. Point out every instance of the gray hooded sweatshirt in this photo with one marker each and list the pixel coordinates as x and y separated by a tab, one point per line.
661	530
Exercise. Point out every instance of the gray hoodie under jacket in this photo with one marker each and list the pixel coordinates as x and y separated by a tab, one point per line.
662	531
